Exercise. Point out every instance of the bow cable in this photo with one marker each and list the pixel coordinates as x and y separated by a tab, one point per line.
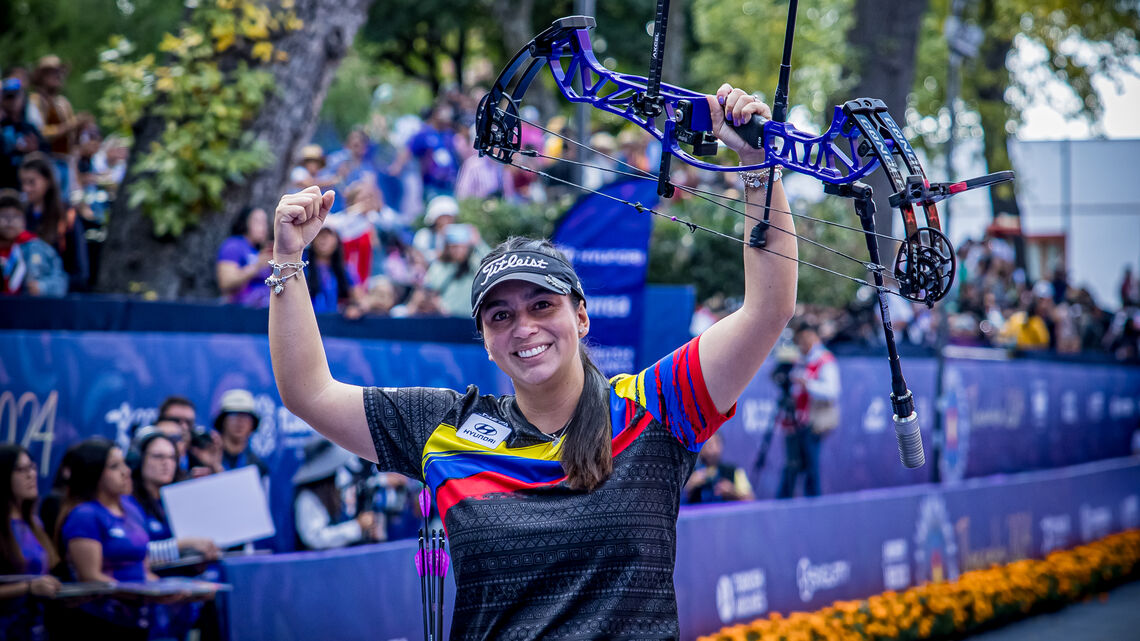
693	227
695	191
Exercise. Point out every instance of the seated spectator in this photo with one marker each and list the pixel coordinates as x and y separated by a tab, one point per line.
49	217
331	285
483	177
326	506
173	433
399	262
381	296
435	147
452	274
103	538
441	212
18	136
52	113
310	171
180	411
421	302
154	467
352	164
109	164
24	549
713	480
236	422
356	228
28	265
1027	328
243	260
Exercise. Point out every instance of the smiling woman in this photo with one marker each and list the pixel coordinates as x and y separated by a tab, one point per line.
560	501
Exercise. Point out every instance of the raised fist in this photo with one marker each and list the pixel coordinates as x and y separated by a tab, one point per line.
297	220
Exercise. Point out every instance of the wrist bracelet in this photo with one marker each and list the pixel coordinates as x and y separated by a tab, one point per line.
759	179
277	281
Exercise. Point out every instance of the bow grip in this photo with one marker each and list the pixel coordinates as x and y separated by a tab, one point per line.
752	131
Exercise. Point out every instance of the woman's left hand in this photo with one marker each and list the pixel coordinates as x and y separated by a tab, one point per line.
734	106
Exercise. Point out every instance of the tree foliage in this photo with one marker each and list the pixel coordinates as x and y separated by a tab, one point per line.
742	43
76	29
1077	41
209	85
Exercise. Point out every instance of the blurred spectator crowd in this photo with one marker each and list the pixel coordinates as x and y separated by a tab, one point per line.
992	304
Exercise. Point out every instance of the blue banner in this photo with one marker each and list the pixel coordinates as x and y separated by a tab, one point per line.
608	244
735	562
60	387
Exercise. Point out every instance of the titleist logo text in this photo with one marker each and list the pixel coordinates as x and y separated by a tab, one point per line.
507	262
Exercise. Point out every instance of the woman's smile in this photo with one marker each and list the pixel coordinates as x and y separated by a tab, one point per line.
532	352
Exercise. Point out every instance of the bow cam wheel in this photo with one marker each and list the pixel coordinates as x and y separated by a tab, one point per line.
925	266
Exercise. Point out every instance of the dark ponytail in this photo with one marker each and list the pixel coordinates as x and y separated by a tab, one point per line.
587	455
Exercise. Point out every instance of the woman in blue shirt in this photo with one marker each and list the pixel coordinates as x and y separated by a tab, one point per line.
24	549
103	538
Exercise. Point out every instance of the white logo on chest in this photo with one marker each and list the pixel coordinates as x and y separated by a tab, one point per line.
484	430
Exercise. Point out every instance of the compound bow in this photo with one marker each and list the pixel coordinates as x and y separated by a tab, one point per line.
861	138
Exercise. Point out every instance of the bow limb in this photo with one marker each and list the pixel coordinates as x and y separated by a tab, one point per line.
566	50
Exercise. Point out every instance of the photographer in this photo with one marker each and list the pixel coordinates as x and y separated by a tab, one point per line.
326	504
815	394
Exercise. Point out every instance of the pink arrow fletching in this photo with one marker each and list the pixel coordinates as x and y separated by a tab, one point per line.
420	562
444	562
425	503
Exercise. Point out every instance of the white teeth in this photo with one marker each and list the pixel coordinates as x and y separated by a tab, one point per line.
535	351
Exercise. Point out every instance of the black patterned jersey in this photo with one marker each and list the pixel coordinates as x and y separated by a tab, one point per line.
534	559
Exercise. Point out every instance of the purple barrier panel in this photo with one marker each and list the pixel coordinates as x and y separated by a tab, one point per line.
1001	417
366	593
59	387
737	563
1017	415
862	453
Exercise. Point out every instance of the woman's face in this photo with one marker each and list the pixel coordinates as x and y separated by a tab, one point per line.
24	479
325	243
532	333
257	227
456	252
159	462
238	426
116	479
34	185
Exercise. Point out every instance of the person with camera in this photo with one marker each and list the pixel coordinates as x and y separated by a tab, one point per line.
815	392
326	504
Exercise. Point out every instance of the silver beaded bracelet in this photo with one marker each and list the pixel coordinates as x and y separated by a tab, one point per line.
277	281
759	179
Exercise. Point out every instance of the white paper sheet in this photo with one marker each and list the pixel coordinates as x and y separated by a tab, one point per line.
228	508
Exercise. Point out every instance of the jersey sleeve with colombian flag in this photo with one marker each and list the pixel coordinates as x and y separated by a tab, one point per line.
673	392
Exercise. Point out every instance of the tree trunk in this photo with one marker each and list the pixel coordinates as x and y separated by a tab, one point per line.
136	261
517	20
991	79
883	44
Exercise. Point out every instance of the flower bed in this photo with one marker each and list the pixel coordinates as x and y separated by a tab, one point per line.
978	600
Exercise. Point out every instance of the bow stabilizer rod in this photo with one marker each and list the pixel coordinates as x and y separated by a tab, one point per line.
759	235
